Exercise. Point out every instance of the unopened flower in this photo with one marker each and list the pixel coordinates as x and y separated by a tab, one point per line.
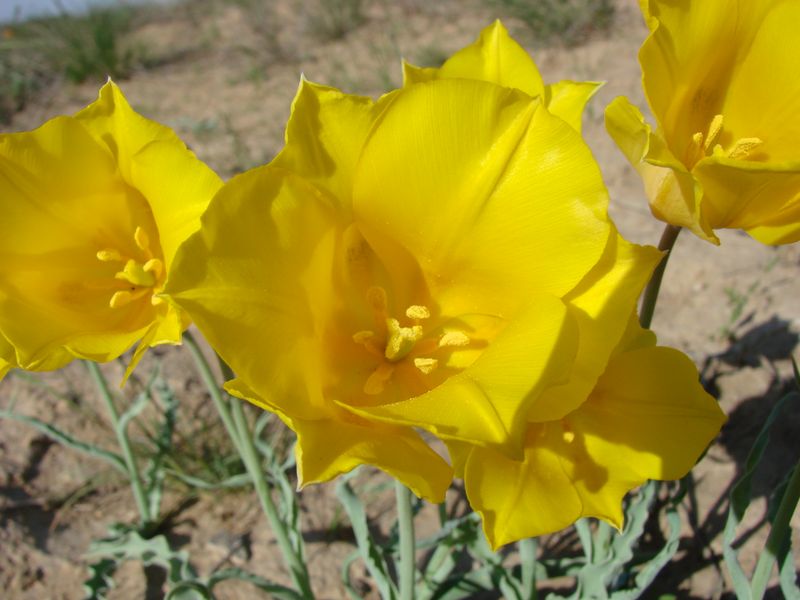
720	77
497	58
93	208
439	260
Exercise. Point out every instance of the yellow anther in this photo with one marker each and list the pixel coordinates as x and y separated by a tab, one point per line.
418	312
134	273
376	297
156	300
377	380
744	146
426	365
154	266
713	132
401	339
569	436
142	239
120	298
454	338
109	255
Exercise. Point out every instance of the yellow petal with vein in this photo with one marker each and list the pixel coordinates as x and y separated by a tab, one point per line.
567	99
648	418
510	205
601	304
324	137
522	498
256	281
497	58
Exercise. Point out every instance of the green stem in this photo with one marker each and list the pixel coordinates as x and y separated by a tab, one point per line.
405	525
210	381
527	557
777	535
650	296
235	423
123	441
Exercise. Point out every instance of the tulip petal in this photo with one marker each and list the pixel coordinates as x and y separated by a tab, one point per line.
412	74
168	329
648	418
7	359
442	178
400	452
254	277
125	132
601	304
487	404
525	498
328	448
763	98
753	196
683	92
672	192
497	58
178	188
567	99
324	137
778	234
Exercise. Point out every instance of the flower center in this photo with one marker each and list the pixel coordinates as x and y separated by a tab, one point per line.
139	277
704	144
394	342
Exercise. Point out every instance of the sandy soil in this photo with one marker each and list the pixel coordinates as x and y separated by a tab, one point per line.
224	80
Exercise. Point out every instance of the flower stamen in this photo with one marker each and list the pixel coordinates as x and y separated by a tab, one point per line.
454	339
401	340
377	380
426	365
743	147
140	277
703	145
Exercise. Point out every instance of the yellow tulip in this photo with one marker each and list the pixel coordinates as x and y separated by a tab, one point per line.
440	260
646	418
721	80
497	58
94	208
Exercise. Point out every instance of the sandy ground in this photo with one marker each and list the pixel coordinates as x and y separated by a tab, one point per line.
224	80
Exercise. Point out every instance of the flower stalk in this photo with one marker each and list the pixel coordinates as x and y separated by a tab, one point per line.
236	425
405	525
650	296
123	441
527	557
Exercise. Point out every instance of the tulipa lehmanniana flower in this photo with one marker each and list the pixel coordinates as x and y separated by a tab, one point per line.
720	77
646	418
94	208
440	260
496	57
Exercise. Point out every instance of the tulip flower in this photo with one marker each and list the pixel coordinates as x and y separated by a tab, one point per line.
440	260
721	80
496	57
94	208
646	418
